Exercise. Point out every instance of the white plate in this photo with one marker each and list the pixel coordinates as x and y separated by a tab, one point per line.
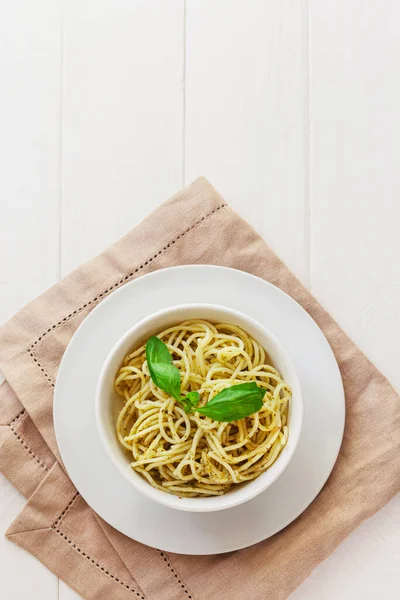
119	503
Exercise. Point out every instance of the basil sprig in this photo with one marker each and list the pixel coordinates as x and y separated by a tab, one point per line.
233	403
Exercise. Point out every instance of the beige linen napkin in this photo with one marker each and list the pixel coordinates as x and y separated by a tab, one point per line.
57	526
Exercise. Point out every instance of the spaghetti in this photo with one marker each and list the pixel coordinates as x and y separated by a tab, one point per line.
190	454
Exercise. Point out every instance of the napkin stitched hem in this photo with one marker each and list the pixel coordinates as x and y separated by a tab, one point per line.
12	425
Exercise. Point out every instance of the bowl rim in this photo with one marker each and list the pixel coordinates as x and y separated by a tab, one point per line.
198	504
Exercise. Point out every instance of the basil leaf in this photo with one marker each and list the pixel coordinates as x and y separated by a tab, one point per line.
189	401
187	406
234	403
164	374
193	397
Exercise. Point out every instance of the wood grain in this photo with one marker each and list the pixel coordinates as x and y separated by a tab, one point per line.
29	195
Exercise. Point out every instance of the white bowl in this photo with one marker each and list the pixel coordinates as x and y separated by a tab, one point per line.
108	403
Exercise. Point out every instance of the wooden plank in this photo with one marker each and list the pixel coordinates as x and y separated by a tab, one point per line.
29	190
122	122
246	106
355	141
354	271
122	118
29	150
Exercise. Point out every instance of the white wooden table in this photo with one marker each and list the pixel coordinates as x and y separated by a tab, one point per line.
290	108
